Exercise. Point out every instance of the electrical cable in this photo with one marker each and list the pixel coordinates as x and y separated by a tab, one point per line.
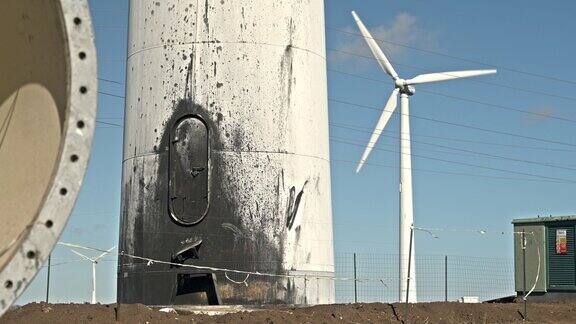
422	170
466	164
421	69
504	68
428	119
364	129
474	153
111	95
453	123
109	124
463	99
111	81
452	173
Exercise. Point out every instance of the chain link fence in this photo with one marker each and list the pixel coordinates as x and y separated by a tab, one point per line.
438	277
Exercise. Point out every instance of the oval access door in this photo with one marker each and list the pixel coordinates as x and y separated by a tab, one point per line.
188	192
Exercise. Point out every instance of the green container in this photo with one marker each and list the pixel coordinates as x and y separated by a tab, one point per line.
552	238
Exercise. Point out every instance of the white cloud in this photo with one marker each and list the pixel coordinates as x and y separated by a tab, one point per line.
540	114
403	30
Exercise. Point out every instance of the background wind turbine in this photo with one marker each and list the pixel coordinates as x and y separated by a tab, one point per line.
405	88
94	261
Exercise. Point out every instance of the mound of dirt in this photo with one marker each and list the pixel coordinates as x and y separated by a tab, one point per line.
347	313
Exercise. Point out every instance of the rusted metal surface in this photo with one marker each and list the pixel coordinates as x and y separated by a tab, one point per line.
257	197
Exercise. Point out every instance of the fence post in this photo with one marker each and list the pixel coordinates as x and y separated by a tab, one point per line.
355	282
48	279
524	274
445	278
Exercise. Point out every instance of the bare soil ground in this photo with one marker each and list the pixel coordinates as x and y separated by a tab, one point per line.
561	312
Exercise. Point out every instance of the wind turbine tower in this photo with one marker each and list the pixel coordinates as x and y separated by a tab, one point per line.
405	88
226	154
94	261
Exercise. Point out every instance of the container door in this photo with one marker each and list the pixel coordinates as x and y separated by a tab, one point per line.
561	258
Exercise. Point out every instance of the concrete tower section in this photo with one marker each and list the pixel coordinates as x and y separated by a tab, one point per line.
226	154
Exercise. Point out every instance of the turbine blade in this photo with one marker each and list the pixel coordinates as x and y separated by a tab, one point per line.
386	114
80	247
103	254
443	76
376	51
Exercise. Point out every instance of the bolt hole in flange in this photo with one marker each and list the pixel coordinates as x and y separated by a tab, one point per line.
31	254
8	284
63	191
74	158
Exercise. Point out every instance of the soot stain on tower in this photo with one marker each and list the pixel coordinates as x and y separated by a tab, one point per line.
221	148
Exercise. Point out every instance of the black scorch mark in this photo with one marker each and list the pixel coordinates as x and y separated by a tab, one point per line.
293	204
189	90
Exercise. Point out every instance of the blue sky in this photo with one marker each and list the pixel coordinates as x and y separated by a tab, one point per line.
528	36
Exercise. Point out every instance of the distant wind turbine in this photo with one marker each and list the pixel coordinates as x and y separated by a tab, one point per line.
94	261
405	88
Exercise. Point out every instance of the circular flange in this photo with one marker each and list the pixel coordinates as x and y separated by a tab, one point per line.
23	253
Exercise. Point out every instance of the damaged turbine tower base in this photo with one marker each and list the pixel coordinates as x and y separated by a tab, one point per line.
226	155
47	113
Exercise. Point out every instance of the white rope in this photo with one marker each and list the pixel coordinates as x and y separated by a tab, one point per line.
150	261
479	231
238	282
256	273
538	271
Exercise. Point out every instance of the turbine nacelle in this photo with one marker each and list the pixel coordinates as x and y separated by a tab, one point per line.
404	87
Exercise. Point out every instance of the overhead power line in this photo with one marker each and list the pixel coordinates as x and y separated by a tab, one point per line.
482	154
419	149
111	27
111	95
553	180
109	124
463	99
462	163
364	129
474	175
421	69
455	124
428	119
111	81
500	67
418	117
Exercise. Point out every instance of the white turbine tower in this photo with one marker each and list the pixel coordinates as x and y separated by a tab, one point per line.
405	88
94	261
